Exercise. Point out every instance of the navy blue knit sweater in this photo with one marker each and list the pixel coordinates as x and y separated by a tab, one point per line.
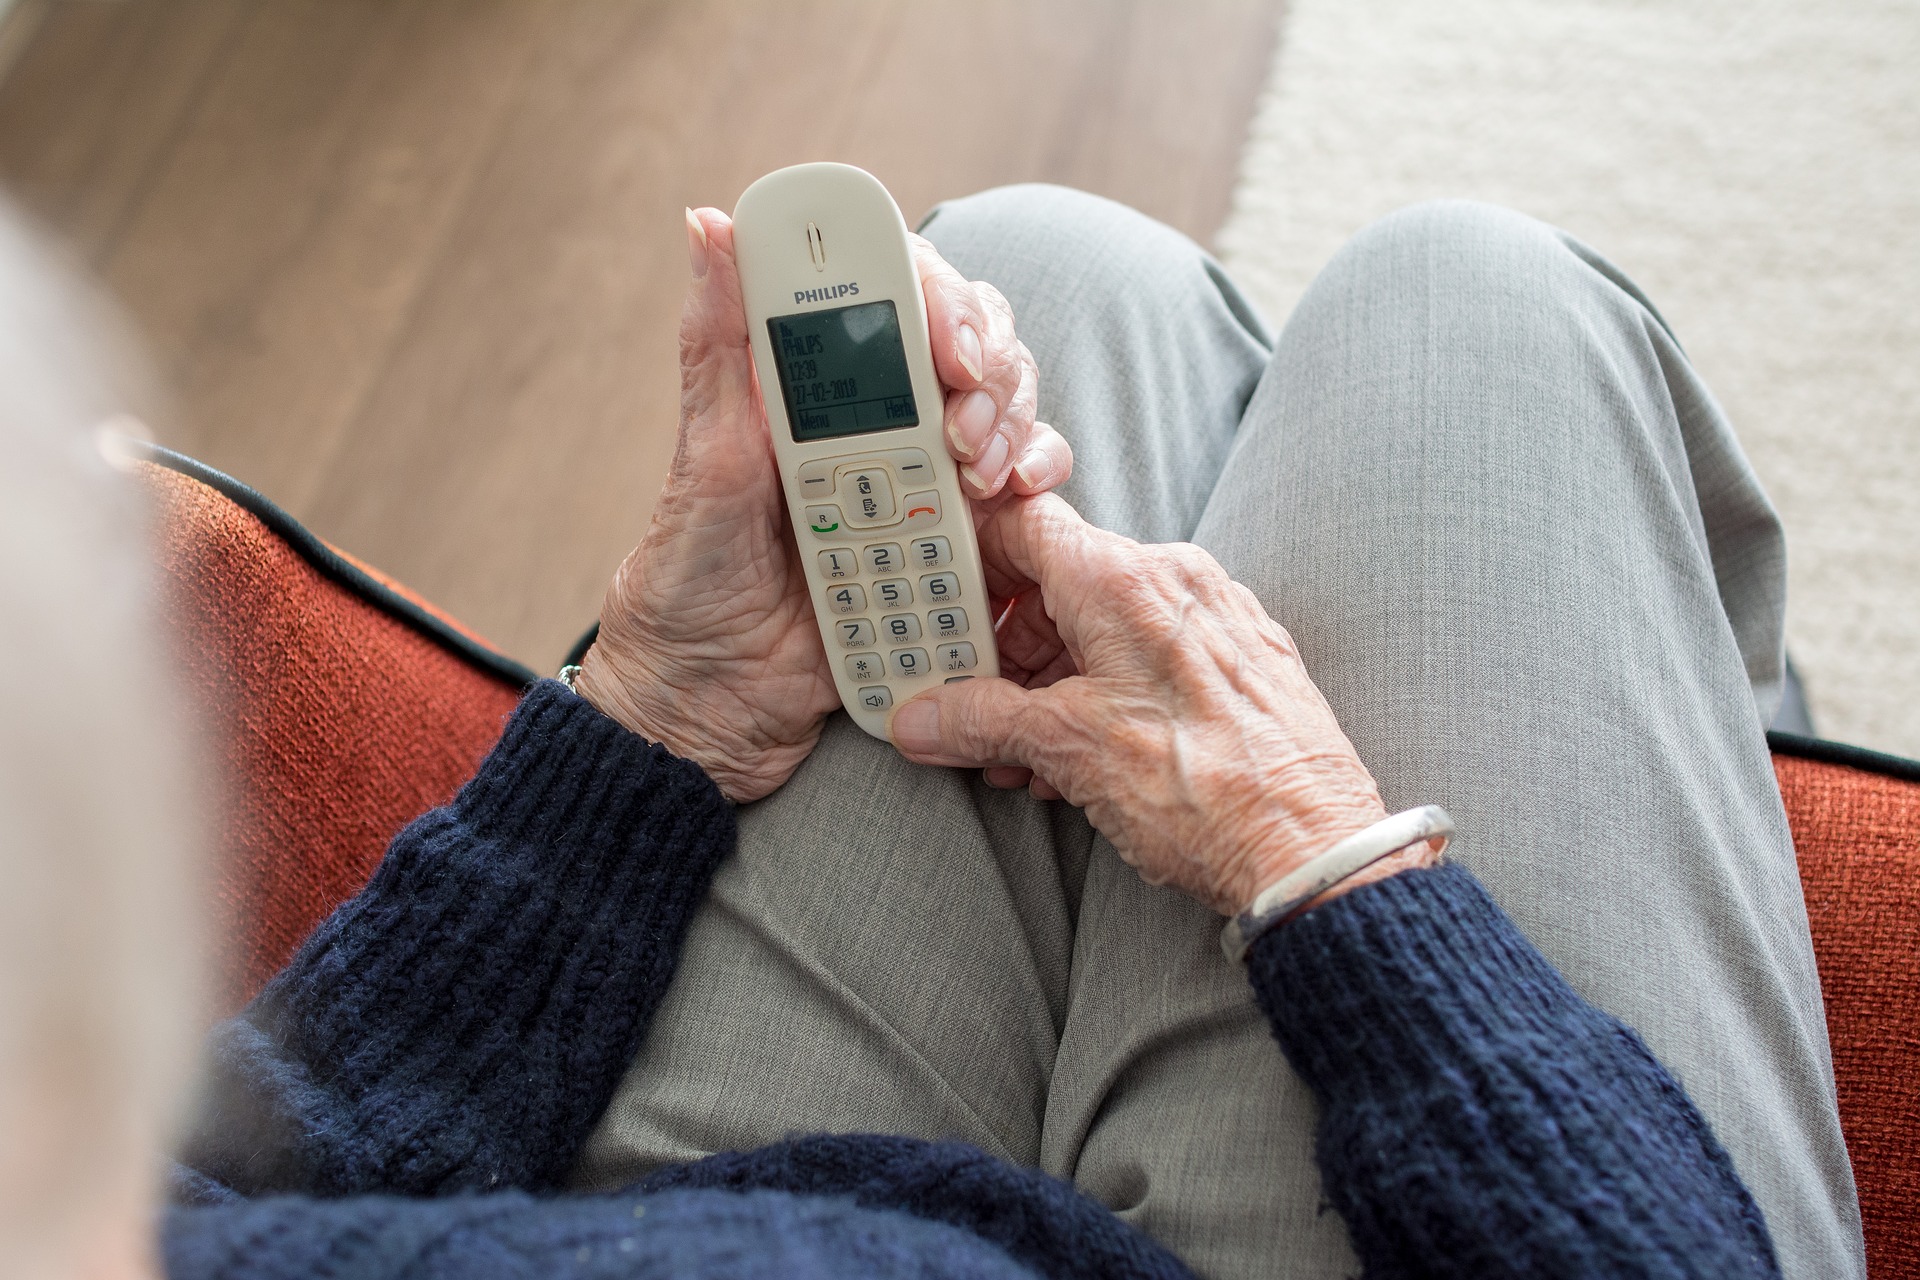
404	1099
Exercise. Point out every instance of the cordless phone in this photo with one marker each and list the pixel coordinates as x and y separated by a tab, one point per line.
838	325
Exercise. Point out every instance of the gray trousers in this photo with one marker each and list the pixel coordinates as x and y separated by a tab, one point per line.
1528	564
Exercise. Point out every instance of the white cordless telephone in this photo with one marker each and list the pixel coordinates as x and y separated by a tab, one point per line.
838	324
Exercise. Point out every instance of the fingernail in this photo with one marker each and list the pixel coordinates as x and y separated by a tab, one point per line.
966	348
971	421
1034	467
696	245
916	727
985	469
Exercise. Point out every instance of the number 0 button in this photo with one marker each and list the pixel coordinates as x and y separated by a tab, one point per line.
910	662
938	588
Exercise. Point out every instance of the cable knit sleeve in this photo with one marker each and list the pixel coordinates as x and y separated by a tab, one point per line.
462	1021
1477	1117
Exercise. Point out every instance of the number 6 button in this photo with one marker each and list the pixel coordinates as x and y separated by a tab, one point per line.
940	587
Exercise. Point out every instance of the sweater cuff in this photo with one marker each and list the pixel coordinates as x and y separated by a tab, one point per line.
563	774
1368	992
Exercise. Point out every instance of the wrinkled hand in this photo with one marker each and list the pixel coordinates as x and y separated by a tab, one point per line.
1154	692
708	643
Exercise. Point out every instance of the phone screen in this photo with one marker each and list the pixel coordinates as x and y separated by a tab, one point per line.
843	372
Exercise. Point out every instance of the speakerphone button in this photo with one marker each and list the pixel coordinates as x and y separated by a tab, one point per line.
824	520
876	698
938	588
862	667
923	509
855	633
909	662
866	495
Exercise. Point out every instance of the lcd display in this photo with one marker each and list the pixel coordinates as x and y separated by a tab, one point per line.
843	371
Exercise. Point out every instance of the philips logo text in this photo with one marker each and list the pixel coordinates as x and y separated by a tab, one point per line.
826	293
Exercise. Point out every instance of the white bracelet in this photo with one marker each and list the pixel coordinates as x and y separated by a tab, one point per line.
1281	899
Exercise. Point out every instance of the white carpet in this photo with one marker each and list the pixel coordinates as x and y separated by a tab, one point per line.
1753	164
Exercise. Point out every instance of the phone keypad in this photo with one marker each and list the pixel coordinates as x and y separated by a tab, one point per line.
912	602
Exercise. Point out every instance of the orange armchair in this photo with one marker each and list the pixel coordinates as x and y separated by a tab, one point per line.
343	706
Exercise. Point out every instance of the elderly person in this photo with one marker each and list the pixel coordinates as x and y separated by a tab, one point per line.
681	915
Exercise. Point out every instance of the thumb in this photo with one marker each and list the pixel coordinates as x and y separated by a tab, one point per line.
973	724
716	365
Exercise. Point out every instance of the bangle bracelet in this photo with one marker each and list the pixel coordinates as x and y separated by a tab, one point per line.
1282	899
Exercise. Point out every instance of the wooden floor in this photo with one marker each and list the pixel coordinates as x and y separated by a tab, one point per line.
412	267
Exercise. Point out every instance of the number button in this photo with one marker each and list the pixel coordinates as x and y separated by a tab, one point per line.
868	495
857	634
900	628
824	520
931	553
848	599
894	593
885	557
839	563
878	698
956	657
862	667
940	587
909	662
948	622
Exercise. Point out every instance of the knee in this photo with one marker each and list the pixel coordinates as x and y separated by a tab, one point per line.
1455	243
1040	235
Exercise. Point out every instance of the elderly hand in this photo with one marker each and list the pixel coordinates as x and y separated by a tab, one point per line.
1154	692
708	643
